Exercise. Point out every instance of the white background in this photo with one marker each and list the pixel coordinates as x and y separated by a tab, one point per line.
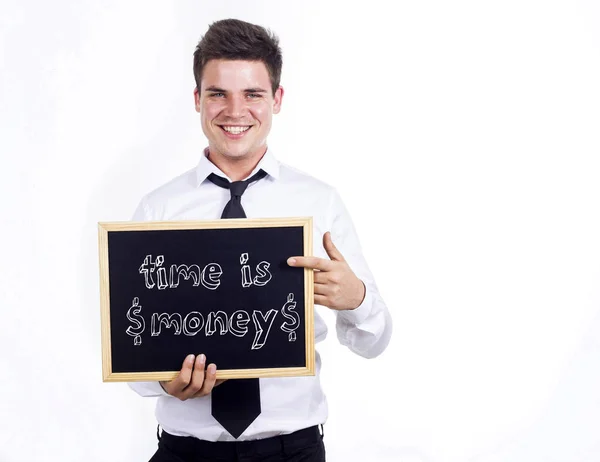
464	139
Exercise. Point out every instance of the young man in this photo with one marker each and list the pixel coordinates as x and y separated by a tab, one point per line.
237	67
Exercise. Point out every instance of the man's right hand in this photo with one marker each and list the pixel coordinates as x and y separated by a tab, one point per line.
193	381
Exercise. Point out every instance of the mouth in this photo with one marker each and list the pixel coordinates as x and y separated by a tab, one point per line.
235	131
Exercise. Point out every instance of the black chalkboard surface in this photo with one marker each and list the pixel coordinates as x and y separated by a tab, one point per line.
222	288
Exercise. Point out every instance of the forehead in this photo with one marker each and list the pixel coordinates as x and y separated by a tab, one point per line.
235	74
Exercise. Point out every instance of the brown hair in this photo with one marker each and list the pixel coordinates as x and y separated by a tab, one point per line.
239	40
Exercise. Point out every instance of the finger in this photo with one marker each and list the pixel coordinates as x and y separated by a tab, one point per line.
197	378
331	278
183	379
321	264
322	277
209	380
331	249
321	300
321	289
201	392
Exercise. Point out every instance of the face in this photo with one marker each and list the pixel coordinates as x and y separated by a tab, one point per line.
236	107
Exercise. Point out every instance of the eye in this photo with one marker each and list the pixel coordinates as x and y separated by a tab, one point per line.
217	94
254	95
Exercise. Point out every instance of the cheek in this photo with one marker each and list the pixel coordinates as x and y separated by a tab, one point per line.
210	112
262	113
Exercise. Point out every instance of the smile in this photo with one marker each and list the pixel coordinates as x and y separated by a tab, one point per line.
235	129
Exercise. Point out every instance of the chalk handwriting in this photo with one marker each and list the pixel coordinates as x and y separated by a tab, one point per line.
237	323
246	276
214	318
169	320
193	323
263	325
191	271
264	275
155	275
215	323
208	277
147	269
162	273
292	318
133	314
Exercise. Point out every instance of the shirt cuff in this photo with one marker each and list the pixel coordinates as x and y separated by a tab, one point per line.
148	388
359	314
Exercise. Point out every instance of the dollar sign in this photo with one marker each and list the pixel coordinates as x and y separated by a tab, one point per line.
134	316
292	318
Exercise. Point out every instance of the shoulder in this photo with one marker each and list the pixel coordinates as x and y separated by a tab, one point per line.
181	184
295	177
153	205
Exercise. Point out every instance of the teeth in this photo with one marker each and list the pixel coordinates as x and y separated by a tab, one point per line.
235	130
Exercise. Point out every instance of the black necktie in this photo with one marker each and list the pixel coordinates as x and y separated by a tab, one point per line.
233	208
236	402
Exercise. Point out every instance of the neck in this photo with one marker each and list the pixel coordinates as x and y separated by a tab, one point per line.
236	168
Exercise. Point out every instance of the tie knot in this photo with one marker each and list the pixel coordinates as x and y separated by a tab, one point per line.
233	208
237	188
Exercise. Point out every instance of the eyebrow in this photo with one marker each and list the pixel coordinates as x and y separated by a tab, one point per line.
247	90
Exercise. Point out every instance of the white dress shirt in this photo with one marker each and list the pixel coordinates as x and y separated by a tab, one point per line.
288	403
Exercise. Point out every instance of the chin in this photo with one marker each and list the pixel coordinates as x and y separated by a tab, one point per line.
233	152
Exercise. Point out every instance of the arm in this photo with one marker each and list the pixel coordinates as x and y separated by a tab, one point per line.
345	284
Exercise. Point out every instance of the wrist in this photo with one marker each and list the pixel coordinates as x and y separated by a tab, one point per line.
360	297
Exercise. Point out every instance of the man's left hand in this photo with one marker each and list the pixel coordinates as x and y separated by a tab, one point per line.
336	285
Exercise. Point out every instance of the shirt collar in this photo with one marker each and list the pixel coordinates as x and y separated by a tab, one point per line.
205	167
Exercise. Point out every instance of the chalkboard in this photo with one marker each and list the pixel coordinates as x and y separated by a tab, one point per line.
222	288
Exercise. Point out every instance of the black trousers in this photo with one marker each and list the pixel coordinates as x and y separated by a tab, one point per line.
302	446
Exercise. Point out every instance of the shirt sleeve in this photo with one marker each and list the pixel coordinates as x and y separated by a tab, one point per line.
143	213
367	329
148	389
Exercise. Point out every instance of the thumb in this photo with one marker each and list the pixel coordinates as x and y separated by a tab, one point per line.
331	249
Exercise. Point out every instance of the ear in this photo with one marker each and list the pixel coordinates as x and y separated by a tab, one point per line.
277	98
197	99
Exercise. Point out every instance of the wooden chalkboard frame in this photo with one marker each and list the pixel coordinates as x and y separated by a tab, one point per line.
105	227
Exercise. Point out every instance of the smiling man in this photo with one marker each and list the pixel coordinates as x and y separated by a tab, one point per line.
237	68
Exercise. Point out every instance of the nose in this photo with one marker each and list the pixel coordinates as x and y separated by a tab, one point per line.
236	106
